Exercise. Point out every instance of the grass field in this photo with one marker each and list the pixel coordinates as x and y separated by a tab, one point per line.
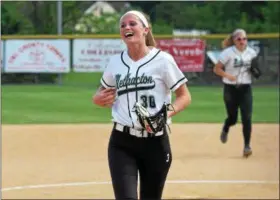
72	104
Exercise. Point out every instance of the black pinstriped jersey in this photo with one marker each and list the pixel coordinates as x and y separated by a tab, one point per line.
149	80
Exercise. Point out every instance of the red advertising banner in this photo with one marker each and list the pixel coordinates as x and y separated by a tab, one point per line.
188	53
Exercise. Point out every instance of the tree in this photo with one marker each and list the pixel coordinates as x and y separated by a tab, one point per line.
12	21
148	7
220	17
40	17
271	16
105	24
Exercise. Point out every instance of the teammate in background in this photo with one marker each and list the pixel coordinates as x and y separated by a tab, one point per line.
234	67
144	74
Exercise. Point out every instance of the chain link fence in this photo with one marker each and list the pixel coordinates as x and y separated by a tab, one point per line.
267	49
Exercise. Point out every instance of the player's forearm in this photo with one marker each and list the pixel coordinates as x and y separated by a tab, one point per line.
220	72
180	103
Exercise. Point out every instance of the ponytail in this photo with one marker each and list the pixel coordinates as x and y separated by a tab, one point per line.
228	41
150	40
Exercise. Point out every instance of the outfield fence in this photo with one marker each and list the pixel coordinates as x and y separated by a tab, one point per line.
43	57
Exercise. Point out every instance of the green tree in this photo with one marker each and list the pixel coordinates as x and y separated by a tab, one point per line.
221	17
271	16
40	17
72	13
13	21
149	7
161	27
105	24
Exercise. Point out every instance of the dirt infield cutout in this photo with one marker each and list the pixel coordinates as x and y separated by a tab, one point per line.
70	161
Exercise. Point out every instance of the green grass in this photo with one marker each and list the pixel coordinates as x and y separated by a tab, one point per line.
82	78
72	104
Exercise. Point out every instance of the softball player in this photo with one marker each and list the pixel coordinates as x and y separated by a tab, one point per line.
145	74
236	60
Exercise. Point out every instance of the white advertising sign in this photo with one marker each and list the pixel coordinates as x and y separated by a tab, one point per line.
2	55
92	55
33	56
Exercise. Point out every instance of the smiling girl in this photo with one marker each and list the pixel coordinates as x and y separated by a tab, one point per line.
146	75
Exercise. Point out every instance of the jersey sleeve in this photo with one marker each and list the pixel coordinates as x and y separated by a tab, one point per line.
224	56
173	76
108	80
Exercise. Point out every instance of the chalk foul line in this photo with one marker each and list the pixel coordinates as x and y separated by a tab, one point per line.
168	182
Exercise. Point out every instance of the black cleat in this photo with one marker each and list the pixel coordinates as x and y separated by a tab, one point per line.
224	136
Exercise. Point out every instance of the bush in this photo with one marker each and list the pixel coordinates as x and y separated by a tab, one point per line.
27	78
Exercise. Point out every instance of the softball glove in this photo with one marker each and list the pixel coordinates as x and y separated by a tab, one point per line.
254	69
152	123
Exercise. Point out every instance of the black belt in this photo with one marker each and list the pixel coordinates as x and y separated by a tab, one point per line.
238	85
135	132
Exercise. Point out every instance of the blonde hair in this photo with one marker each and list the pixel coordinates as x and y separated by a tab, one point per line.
228	41
150	40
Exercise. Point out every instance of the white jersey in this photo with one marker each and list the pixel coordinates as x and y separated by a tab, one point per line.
149	81
237	64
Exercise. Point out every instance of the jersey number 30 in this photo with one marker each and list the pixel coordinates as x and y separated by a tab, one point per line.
148	101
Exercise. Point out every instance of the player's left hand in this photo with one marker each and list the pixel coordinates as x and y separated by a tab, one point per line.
254	69
152	123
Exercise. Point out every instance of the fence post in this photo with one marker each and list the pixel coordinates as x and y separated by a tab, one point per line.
59	30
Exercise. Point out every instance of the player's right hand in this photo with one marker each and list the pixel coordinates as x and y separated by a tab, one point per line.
231	78
105	97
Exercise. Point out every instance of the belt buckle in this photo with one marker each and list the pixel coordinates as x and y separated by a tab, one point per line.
126	129
135	132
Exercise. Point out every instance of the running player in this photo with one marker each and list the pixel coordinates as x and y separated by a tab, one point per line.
236	61
144	74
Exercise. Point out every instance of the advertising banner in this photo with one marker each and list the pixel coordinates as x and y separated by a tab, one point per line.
2	55
37	56
92	55
214	56
188	53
